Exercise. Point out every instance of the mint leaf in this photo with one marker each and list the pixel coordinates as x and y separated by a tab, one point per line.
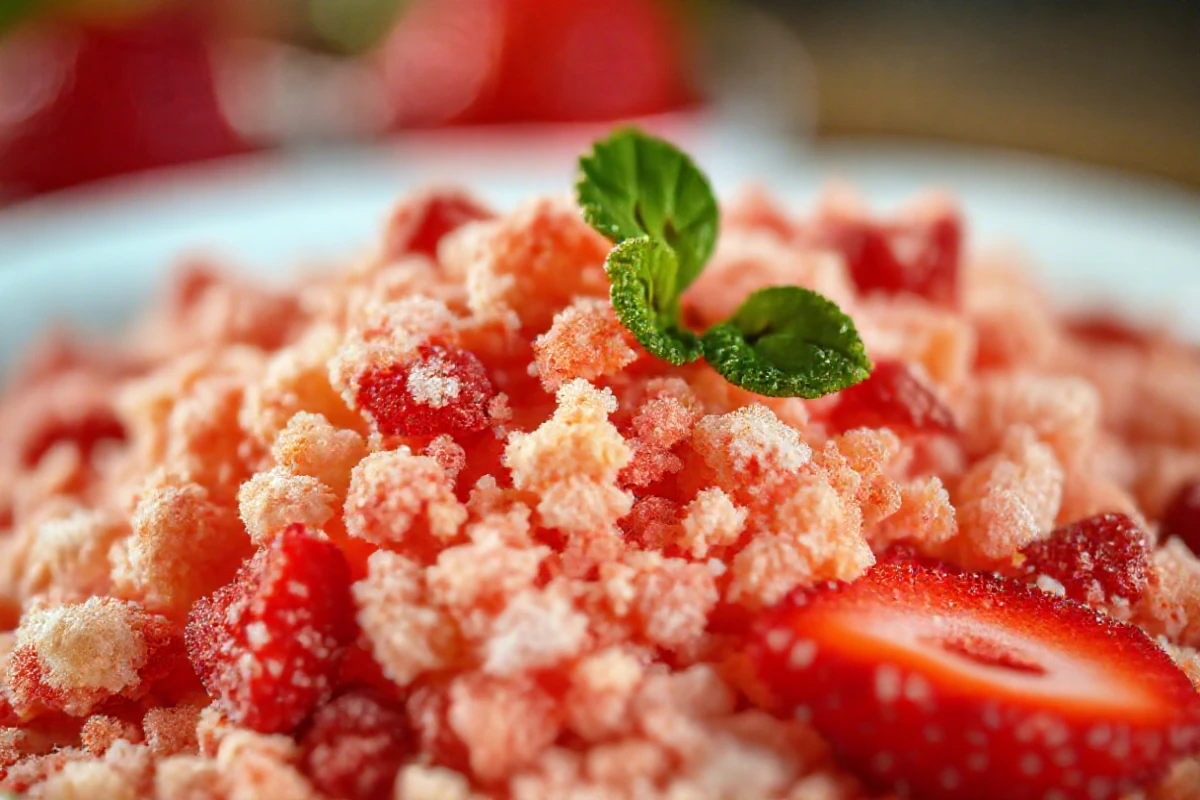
633	184
644	274
787	341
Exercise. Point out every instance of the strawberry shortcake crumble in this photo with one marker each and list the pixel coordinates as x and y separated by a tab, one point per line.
586	501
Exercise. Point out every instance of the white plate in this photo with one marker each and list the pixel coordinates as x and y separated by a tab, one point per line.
92	257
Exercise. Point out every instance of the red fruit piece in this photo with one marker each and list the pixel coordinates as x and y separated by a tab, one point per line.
268	645
108	99
455	61
942	686
919	255
1107	330
418	224
355	745
428	710
893	397
653	523
1099	559
56	646
86	430
1182	517
443	390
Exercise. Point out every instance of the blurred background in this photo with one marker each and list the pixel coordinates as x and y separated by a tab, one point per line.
91	89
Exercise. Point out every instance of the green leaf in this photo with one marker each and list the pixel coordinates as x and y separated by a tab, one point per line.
644	274
11	13
633	184
787	341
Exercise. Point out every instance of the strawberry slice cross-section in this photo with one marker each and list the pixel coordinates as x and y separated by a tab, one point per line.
937	685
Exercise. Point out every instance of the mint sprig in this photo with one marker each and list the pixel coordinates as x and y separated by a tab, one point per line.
644	274
634	185
787	341
659	210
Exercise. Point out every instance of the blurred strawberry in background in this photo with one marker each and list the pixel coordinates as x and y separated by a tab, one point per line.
93	91
95	88
462	61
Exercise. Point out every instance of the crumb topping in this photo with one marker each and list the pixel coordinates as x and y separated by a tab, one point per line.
436	527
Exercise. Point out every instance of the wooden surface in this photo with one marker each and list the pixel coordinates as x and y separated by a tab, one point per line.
1115	83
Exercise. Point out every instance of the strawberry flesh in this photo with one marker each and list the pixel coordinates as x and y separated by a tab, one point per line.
87	430
918	256
420	224
355	745
268	645
893	397
444	390
1100	559
939	686
1182	517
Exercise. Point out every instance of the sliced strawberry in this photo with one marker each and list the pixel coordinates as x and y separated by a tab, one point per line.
268	645
1182	517
443	390
893	397
418	224
1100	559
940	686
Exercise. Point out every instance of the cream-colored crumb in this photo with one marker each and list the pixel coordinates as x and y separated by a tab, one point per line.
102	731
272	500
93	648
188	778
256	766
310	445
72	552
578	442
810	535
469	575
857	464
1171	603
747	441
182	545
417	782
87	780
503	723
572	461
536	630
668	598
711	520
585	341
925	516
295	379
938	341
171	731
449	455
394	493
1064	412
1008	500
522	270
602	687
408	637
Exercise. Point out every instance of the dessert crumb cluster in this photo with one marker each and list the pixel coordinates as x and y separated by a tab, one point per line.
437	527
